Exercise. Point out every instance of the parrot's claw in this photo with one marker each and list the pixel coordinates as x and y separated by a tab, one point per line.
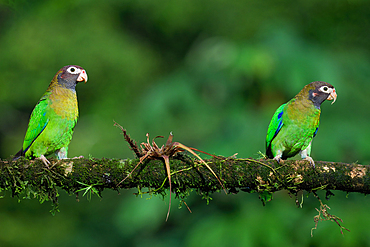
309	159
45	160
78	157
277	158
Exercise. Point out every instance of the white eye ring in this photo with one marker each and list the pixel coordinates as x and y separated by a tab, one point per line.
73	70
326	89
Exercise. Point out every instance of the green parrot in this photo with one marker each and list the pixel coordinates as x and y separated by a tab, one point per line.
295	123
54	117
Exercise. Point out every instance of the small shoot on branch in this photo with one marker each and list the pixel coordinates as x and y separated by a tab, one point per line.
89	190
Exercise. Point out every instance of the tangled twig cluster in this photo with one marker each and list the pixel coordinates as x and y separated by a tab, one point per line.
153	151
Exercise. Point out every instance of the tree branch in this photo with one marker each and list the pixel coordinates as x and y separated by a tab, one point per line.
31	178
23	176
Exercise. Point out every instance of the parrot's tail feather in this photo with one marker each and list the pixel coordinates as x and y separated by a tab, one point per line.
269	152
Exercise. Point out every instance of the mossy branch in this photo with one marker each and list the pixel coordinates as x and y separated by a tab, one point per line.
30	178
186	172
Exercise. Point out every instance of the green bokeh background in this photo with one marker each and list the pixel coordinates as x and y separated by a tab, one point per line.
213	73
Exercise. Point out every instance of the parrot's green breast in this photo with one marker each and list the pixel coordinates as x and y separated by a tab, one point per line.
52	122
298	124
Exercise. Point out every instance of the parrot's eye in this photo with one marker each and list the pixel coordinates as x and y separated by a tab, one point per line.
325	89
73	70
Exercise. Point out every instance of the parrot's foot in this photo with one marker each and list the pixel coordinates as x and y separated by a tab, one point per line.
45	160
278	158
309	159
78	157
62	153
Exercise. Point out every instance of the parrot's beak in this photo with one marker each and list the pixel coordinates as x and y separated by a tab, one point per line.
82	76
332	96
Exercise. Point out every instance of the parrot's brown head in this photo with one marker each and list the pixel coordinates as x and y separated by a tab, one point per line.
69	76
319	91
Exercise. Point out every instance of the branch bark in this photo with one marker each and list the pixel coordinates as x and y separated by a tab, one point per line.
73	175
30	178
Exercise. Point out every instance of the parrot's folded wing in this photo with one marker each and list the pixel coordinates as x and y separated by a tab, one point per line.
274	127
37	124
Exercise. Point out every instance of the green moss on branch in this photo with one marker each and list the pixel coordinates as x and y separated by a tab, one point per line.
32	178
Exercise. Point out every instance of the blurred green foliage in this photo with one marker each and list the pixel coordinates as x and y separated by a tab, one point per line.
211	72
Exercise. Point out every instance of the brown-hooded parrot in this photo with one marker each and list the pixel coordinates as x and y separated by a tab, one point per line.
54	117
295	123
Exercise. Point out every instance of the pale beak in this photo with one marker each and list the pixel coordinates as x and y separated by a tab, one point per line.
332	96
82	76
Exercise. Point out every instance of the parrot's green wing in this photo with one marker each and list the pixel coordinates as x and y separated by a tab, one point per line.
37	123
274	128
